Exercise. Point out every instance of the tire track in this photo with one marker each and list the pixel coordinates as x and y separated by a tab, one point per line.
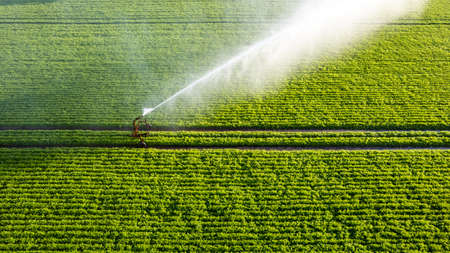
303	148
12	22
243	148
224	129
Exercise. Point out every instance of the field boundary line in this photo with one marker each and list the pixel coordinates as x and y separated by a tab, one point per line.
249	148
220	129
299	148
123	22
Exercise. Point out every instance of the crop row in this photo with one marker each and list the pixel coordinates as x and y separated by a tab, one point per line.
62	138
170	10
143	200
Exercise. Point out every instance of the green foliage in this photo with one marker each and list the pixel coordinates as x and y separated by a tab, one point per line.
76	64
72	64
67	138
142	200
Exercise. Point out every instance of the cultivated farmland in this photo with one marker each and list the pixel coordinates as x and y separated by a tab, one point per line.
348	154
121	199
66	64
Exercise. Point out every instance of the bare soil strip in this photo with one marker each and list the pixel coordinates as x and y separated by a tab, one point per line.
303	148
222	129
245	148
140	22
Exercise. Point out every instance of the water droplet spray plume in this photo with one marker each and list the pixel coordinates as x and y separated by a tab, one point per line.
318	27
213	72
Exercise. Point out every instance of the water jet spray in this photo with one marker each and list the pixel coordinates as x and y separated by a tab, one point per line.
318	28
147	111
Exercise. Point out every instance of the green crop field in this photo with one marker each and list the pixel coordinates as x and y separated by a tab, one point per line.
78	64
122	199
349	154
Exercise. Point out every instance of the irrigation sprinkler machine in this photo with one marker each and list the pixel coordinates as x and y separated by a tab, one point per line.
137	133
289	47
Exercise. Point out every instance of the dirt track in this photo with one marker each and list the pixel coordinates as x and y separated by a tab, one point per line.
304	148
218	129
330	148
97	21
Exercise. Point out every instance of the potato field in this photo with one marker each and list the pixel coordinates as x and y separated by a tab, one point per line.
349	153
122	199
78	64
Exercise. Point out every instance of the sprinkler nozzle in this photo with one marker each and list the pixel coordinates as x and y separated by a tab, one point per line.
147	111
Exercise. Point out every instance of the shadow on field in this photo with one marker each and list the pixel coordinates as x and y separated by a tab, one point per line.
18	2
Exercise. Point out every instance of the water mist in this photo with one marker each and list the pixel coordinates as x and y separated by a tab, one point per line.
316	29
